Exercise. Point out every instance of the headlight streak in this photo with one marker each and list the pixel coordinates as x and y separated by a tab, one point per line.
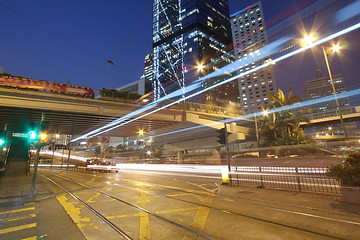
62	155
98	131
258	114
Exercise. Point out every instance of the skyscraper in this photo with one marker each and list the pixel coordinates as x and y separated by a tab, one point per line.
186	34
322	87
148	67
249	36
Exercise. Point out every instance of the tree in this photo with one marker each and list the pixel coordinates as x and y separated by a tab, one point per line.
282	126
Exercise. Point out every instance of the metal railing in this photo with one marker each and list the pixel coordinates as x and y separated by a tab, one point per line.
333	113
302	179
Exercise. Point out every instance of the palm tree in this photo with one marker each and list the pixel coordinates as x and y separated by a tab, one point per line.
284	125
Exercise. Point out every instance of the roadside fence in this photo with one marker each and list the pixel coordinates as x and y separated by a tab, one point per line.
302	179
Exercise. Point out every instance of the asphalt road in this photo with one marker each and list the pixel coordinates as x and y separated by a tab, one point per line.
135	204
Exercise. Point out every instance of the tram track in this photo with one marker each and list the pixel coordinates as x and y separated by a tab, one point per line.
210	207
224	198
112	225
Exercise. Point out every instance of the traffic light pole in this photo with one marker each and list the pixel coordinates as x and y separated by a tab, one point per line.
68	160
227	146
32	191
38	146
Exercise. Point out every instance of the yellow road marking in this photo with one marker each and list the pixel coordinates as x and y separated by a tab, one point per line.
91	200
202	214
144	232
74	213
177	195
18	210
144	227
17	218
118	216
17	228
30	238
178	210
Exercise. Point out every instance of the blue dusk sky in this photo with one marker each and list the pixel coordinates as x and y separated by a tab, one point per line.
69	41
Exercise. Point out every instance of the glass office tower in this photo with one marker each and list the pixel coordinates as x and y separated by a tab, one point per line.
249	37
186	33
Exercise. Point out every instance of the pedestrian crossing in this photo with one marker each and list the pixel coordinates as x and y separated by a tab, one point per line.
18	222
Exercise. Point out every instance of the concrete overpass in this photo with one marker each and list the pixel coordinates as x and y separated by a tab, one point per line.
74	115
335	119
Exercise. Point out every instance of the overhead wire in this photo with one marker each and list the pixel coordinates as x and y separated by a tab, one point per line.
110	62
61	36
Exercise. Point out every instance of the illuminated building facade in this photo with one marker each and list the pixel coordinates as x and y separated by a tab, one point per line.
186	34
249	36
322	87
148	67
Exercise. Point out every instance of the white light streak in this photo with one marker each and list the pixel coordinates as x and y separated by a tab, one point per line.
113	125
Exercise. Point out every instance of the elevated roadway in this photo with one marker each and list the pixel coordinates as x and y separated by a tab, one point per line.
74	115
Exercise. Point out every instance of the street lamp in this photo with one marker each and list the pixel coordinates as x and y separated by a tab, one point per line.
334	49
200	67
308	39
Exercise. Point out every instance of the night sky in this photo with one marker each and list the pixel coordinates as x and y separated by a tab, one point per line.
70	41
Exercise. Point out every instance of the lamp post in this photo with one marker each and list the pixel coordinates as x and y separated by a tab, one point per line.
335	48
308	39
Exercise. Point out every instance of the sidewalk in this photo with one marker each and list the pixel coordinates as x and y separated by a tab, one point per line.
308	200
39	217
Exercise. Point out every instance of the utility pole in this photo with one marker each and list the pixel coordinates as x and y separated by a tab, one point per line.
52	158
69	148
227	146
335	95
38	146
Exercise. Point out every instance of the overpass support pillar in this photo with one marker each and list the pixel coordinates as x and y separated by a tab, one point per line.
180	157
216	158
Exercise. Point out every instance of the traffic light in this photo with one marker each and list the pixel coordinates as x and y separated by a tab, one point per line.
32	135
43	130
2	138
221	136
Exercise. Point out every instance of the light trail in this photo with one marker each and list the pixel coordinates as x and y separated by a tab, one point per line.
57	154
111	126
53	165
251	116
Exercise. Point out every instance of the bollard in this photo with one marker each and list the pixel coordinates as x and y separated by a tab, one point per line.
225	175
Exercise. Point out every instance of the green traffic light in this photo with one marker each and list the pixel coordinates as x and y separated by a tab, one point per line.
32	135
2	142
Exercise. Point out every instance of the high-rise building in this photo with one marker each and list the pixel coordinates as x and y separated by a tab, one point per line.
249	37
148	67
185	35
322	87
225	95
